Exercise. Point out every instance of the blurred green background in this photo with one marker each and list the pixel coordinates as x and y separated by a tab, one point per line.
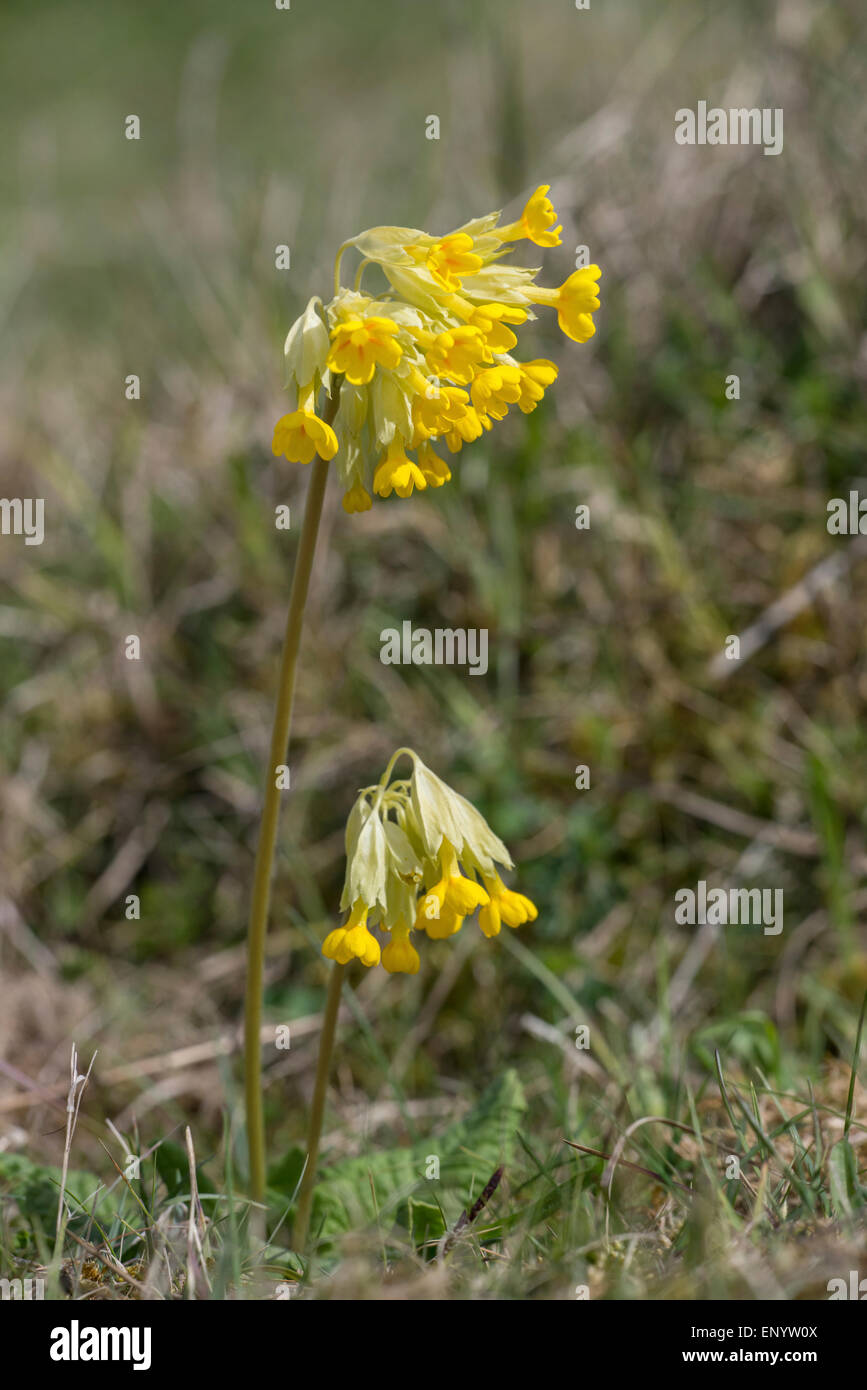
157	257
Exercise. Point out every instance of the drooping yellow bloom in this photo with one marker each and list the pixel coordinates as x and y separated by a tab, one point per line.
301	434
441	924
400	956
470	426
429	358
352	941
357	499
415	851
504	906
435	470
535	378
398	473
453	894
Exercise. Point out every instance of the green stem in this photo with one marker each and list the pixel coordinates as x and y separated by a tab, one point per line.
262	873
323	1067
383	781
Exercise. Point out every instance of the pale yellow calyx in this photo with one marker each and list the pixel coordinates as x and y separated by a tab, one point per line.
306	348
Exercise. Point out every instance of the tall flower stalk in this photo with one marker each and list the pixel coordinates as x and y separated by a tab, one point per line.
415	852
427	358
317	1107
263	871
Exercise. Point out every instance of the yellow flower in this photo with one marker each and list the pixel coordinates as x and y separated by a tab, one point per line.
332	944
536	221
436	471
512	908
358	346
470	426
574	301
357	499
436	408
535	377
428	358
491	320
448	260
457	353
496	388
400	957
362	945
446	924
353	941
301	434
453	896
397	473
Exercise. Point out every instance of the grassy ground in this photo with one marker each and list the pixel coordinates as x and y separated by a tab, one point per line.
156	258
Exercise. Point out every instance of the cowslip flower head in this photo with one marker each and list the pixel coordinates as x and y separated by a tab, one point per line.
428	357
419	858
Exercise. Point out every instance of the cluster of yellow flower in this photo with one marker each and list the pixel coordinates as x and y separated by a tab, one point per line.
430	358
414	849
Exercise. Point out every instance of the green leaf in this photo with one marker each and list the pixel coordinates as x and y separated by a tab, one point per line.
846	1193
173	1167
392	1186
36	1188
285	1176
424	1221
